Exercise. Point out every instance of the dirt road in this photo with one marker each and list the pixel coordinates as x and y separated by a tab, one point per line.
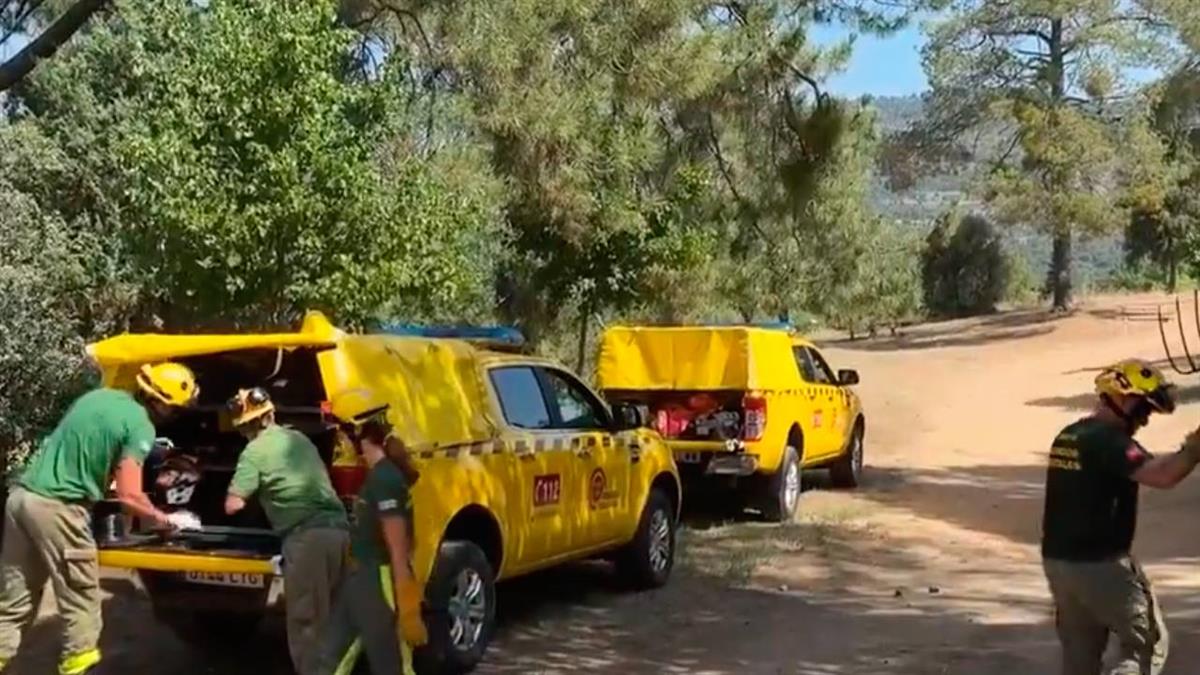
930	569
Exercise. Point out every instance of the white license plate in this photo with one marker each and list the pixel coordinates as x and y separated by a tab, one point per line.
689	457
236	580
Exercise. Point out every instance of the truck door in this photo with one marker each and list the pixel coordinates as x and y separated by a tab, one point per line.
603	468
542	517
815	421
838	425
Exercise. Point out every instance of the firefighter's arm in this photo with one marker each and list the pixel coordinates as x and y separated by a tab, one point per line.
410	625
133	498
1168	470
244	483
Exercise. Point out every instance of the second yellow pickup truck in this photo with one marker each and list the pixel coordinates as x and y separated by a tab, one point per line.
748	405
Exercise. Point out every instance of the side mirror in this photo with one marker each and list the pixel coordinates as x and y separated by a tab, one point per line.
627	416
847	377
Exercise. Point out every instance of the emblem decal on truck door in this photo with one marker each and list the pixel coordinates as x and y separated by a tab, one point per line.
596	487
547	490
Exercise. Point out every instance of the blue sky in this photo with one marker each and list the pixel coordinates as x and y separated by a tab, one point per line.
888	66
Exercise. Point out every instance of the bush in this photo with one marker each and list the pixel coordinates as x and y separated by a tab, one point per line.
965	270
41	347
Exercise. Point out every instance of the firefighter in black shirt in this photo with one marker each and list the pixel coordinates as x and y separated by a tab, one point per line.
1092	481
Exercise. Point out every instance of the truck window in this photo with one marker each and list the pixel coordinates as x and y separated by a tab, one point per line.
521	398
824	374
577	409
808	372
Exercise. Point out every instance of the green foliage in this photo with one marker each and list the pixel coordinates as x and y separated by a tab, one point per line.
964	268
1042	85
885	289
238	165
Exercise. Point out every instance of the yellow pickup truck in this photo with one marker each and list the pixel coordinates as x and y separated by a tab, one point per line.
745	405
523	467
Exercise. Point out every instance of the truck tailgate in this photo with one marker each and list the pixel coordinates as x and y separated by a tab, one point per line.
227	550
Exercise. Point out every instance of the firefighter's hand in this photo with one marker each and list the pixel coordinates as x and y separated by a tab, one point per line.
1191	446
410	627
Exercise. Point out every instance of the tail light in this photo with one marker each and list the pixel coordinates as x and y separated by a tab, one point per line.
754	422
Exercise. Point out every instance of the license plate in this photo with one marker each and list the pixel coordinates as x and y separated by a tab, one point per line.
235	580
689	457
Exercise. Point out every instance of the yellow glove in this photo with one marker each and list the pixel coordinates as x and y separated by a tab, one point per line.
410	627
1191	446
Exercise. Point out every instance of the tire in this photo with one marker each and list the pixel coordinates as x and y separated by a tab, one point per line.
847	471
461	610
782	495
647	561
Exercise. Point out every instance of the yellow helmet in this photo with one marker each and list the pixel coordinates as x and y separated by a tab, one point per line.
1135	377
355	406
170	383
248	405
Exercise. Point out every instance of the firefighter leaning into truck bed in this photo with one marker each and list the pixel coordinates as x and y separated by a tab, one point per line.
284	469
378	611
1095	468
106	434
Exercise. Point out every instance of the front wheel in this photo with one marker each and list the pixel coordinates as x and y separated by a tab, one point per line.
648	560
847	471
461	596
782	497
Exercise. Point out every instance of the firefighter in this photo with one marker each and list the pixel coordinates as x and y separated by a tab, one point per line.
379	610
284	469
104	436
1095	468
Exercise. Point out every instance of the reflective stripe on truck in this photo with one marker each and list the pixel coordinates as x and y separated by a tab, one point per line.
159	561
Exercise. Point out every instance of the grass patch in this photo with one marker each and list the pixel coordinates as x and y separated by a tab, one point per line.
734	551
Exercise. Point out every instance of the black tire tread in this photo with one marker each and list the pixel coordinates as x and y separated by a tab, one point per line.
632	562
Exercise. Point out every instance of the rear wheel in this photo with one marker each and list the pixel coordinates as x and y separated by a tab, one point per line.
648	560
461	595
782	497
847	471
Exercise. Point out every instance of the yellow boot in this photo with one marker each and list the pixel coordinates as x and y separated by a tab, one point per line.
78	664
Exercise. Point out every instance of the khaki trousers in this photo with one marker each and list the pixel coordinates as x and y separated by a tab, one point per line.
314	560
48	540
1094	599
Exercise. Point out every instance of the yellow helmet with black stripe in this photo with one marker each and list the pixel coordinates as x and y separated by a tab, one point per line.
1135	377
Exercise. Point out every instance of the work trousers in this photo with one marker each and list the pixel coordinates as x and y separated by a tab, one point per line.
314	561
1094	599
48	540
364	622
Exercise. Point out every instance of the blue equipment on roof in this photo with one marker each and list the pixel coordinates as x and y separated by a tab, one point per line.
499	335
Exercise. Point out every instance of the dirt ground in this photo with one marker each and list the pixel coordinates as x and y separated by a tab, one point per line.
931	568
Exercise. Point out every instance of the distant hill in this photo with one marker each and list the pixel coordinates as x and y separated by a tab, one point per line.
1096	260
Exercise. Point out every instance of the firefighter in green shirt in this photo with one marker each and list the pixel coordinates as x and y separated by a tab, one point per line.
378	612
284	469
105	435
1094	470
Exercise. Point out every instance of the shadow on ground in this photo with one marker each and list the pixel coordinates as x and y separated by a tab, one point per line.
134	642
1005	327
1086	400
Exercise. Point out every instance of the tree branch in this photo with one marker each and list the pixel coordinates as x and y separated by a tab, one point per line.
45	45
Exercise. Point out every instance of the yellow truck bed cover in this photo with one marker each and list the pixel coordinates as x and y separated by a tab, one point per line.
696	358
427	381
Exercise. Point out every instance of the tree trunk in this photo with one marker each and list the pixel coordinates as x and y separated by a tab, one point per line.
584	321
1172	263
45	45
1059	282
1060	258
